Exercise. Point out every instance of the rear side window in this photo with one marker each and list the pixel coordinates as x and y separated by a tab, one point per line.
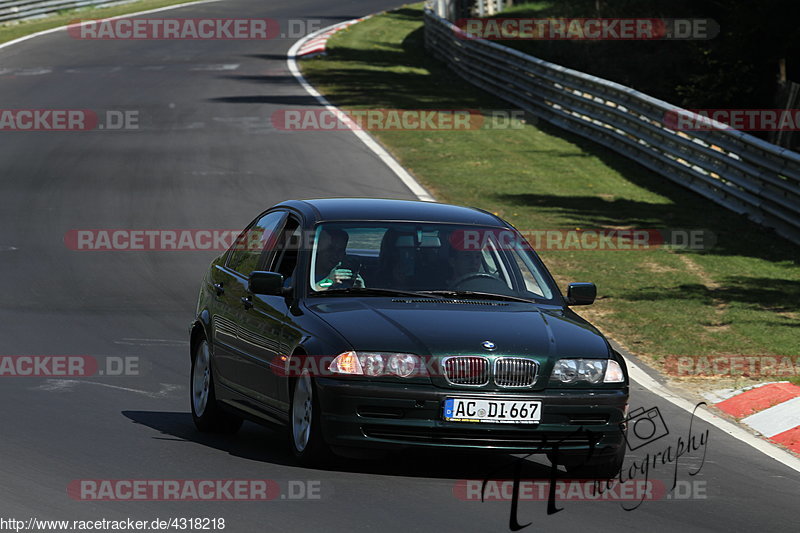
257	239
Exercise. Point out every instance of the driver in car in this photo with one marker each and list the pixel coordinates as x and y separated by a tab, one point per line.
464	265
331	253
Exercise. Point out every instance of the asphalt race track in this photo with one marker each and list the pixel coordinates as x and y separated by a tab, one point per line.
205	156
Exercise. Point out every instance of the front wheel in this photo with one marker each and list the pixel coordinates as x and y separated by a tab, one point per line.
305	432
206	412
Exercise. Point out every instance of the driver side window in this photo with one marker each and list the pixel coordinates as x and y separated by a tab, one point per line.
259	238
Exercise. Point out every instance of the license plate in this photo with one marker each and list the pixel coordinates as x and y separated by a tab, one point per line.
496	411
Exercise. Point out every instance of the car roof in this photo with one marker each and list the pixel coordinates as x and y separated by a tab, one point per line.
331	209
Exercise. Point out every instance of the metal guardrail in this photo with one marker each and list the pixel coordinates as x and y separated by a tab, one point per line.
15	10
453	9
736	170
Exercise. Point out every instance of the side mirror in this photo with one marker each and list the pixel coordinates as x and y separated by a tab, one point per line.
581	293
269	283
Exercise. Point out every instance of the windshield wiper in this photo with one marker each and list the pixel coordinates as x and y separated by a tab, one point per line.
368	291
475	294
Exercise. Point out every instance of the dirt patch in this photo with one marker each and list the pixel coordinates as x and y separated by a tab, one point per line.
720	306
656	268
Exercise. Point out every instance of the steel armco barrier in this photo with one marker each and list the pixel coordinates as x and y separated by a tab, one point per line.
29	9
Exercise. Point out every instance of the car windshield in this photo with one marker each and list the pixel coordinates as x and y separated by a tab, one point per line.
380	257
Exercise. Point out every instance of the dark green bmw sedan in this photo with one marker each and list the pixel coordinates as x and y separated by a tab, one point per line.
365	323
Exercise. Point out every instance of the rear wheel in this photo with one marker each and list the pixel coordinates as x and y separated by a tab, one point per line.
305	432
206	412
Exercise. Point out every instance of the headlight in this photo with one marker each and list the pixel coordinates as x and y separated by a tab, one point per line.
566	370
614	373
592	371
376	364
404	364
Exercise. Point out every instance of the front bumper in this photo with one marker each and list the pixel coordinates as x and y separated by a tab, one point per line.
391	416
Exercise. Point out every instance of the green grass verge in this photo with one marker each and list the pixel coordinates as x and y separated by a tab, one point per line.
14	30
740	297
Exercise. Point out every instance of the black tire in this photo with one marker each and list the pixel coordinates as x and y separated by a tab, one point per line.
310	449
211	418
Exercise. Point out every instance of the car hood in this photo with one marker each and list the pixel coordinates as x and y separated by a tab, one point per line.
437	327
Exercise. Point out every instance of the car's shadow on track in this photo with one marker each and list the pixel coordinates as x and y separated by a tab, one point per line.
265	445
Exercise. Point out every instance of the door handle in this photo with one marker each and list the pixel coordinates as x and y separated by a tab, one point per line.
247	302
219	289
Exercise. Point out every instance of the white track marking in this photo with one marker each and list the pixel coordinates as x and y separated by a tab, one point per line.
151	342
66	385
221	66
137	13
776	419
720	395
36	71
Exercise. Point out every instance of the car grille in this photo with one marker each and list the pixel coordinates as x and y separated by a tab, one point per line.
467	370
514	372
